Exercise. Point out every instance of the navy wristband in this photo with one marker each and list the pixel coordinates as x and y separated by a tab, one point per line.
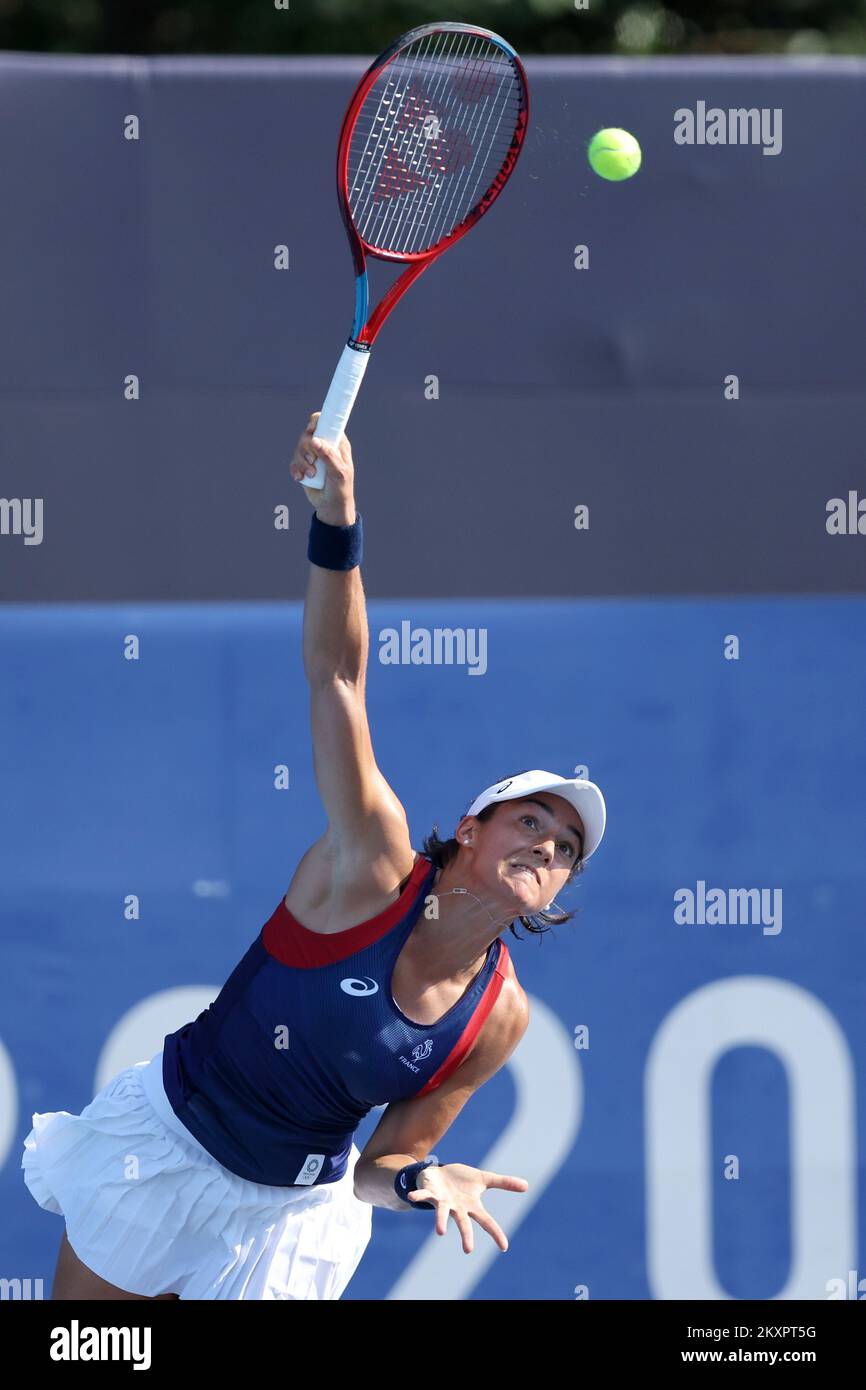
407	1181
335	547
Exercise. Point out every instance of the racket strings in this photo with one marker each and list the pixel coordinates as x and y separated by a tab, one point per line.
463	195
475	80
397	174
420	190
426	108
379	125
433	133
385	136
428	147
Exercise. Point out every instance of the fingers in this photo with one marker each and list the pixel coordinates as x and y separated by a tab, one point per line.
324	447
510	1184
464	1226
442	1207
301	468
338	455
442	1210
493	1229
337	459
303	462
339	451
462	1222
303	465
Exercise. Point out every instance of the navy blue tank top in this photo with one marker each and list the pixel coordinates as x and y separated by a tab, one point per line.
305	1038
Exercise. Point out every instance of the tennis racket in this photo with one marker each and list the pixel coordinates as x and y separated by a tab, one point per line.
428	143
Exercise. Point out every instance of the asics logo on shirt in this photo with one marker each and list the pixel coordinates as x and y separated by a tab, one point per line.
359	987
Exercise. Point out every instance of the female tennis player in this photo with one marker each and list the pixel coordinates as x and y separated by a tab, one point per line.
225	1167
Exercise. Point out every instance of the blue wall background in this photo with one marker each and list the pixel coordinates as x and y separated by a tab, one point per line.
155	777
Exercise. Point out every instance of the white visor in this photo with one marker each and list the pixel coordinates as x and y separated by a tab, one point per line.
585	797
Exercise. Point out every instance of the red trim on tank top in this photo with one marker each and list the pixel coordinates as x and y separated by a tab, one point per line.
291	943
468	1038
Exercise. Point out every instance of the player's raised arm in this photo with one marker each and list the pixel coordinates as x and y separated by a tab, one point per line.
463	125
364	814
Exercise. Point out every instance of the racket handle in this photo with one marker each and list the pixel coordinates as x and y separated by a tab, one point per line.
344	387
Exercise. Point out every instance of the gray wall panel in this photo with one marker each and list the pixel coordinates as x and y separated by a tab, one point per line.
557	386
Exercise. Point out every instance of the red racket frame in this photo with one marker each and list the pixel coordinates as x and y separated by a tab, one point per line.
417	261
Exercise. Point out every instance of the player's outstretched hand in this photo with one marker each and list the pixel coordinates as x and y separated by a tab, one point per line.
457	1190
335	502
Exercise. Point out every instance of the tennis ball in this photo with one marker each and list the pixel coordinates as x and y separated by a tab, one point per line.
614	154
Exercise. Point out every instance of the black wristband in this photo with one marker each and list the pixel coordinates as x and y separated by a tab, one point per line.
407	1181
335	547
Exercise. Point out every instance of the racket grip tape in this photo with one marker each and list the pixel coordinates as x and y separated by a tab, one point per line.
344	387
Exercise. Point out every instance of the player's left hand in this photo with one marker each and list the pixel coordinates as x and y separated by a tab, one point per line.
456	1188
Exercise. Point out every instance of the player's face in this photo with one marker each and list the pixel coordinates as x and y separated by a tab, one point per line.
527	849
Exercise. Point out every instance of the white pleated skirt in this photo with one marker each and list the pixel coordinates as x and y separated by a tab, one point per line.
147	1207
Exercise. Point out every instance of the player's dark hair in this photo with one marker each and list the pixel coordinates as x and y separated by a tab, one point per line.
442	852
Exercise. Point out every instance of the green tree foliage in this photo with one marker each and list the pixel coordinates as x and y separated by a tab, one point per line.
366	26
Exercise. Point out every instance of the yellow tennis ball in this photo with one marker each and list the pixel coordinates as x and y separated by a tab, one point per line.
614	154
